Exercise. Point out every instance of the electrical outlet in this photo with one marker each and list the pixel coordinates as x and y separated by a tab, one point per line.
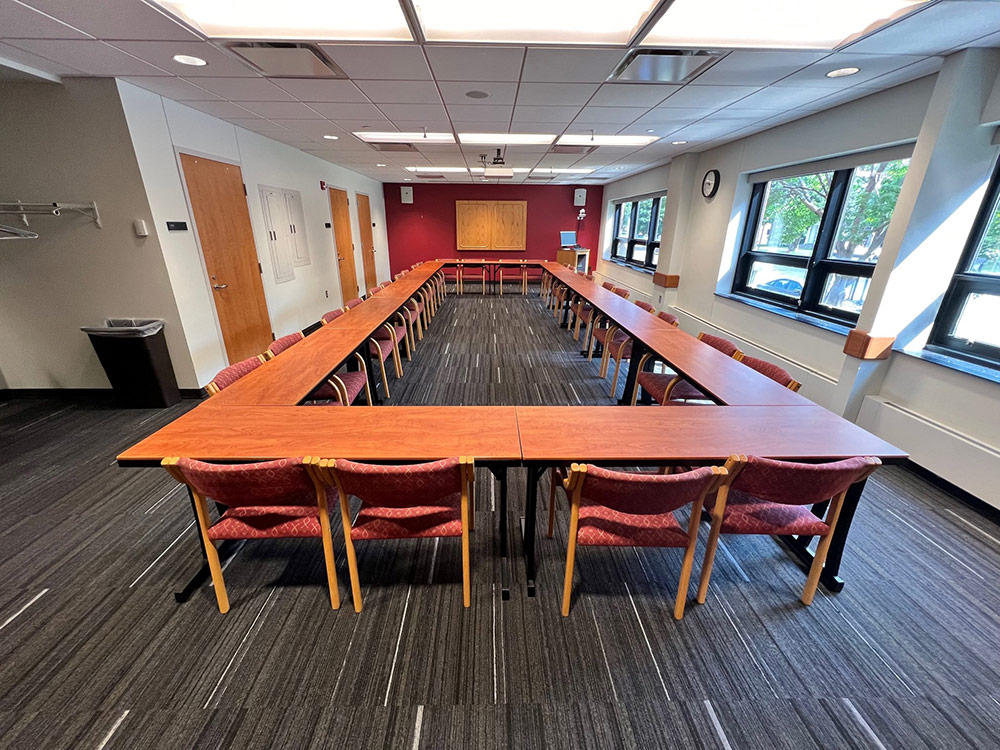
661	299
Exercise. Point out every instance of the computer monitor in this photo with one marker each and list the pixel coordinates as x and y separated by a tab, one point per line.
567	239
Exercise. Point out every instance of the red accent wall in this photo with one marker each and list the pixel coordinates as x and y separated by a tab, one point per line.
425	230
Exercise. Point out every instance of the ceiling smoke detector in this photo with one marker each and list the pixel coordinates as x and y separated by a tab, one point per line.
664	65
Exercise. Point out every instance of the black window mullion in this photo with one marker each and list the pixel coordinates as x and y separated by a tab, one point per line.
812	289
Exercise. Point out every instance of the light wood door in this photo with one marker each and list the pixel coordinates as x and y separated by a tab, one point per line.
367	241
473	224
218	200
510	220
345	243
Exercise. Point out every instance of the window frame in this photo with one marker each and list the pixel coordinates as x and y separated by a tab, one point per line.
818	265
964	283
621	247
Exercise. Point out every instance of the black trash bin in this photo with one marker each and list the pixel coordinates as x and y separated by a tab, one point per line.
134	355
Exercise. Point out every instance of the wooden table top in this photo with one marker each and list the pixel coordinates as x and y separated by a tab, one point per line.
717	375
494	261
362	433
695	434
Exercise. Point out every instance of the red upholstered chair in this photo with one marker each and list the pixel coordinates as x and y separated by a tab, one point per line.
618	509
532	274
417	501
669	388
280	345
283	499
354	302
234	372
453	274
397	327
331	316
763	496
777	374
341	388
383	348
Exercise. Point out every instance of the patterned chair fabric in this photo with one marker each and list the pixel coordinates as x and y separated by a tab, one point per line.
637	510
382	334
654	383
623	293
684	391
645	306
354	382
382	348
671	319
777	374
285	342
400	502
236	371
608	285
354	302
332	315
725	346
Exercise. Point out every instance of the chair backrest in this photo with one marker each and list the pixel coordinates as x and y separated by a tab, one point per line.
234	372
777	374
623	293
282	482
608	285
717	342
279	345
354	302
790	483
645	306
669	318
644	494
374	291
332	315
433	484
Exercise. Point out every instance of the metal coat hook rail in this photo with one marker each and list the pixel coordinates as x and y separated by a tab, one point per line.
51	209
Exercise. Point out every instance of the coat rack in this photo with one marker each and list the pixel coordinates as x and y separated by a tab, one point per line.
24	210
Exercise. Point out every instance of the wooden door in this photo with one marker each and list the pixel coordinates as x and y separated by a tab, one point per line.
473	220
367	241
345	244
509	225
218	200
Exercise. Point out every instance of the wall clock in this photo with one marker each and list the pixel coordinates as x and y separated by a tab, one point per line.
710	184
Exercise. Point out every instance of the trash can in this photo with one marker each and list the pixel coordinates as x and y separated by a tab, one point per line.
134	355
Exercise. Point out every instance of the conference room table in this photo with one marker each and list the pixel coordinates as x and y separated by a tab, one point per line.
260	418
492	265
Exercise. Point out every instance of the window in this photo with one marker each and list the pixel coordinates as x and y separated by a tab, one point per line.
968	323
812	241
638	227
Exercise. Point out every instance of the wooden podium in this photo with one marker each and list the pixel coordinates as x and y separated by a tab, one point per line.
575	257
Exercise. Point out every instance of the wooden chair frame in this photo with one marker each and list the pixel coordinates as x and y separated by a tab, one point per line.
213	390
398	365
677	379
212	554
338	385
327	471
792	384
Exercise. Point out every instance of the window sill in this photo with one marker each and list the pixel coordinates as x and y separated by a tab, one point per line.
630	266
953	363
826	325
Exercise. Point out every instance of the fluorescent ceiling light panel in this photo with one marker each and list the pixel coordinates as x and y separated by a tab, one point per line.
437	170
773	24
372	20
501	139
372	136
556	170
530	21
607	140
485	170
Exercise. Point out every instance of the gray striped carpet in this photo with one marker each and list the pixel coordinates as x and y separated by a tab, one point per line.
95	653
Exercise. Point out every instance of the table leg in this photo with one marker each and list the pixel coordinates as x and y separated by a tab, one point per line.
203	574
638	350
373	382
530	511
565	312
500	473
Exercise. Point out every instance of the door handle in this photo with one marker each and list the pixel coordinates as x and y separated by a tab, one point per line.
220	286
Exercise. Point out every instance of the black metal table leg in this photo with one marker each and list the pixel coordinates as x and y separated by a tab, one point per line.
203	574
638	350
500	473
366	352
530	511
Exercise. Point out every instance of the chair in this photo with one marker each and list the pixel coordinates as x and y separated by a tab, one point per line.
777	374
763	496
344	386
620	349
477	267
454	275
331	316
234	372
280	345
618	509
382	349
668	387
284	499
521	272
354	302
532	274
418	501
399	329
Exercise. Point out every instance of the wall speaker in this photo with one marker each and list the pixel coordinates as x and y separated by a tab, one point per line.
580	197
406	194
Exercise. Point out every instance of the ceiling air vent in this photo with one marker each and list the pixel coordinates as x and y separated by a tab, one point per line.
393	146
287	60
665	65
581	150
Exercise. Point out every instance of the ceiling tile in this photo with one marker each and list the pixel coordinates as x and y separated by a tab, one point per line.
555	93
380	61
476	63
372	123
283	110
225	110
925	67
485	126
258	125
314	129
499	93
347	110
115	19
401	92
524	113
245	89
623	115
933	29
664	115
480	113
586	126
414	111
415	126
756	68
21	22
632	94
872	66
694	95
537	127
173	88
565	64
161	54
781	97
35	61
321	89
658	129
93	57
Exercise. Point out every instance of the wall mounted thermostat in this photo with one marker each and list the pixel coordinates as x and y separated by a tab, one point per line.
580	197
140	228
406	194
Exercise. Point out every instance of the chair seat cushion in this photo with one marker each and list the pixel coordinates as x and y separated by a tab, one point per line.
381	348
684	391
382	334
354	381
654	383
746	514
380	522
268	522
604	527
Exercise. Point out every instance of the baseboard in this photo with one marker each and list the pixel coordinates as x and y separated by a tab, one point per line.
194	393
981	507
82	394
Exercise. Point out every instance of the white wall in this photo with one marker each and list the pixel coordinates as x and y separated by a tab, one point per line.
71	143
159	129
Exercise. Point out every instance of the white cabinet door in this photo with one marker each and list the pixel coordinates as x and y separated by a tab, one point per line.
297	228
279	236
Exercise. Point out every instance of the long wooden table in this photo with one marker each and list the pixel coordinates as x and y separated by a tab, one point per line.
493	265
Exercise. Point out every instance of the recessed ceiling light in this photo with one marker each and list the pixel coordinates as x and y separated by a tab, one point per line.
189	60
440	170
371	136
332	137
677	143
842	72
617	169
373	20
521	21
380	165
406	179
606	140
498	139
776	24
650	130
477	94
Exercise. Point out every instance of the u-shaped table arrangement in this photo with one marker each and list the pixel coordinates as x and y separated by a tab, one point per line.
259	417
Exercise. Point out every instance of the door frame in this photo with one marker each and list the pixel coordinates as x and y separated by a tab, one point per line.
354	232
178	150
